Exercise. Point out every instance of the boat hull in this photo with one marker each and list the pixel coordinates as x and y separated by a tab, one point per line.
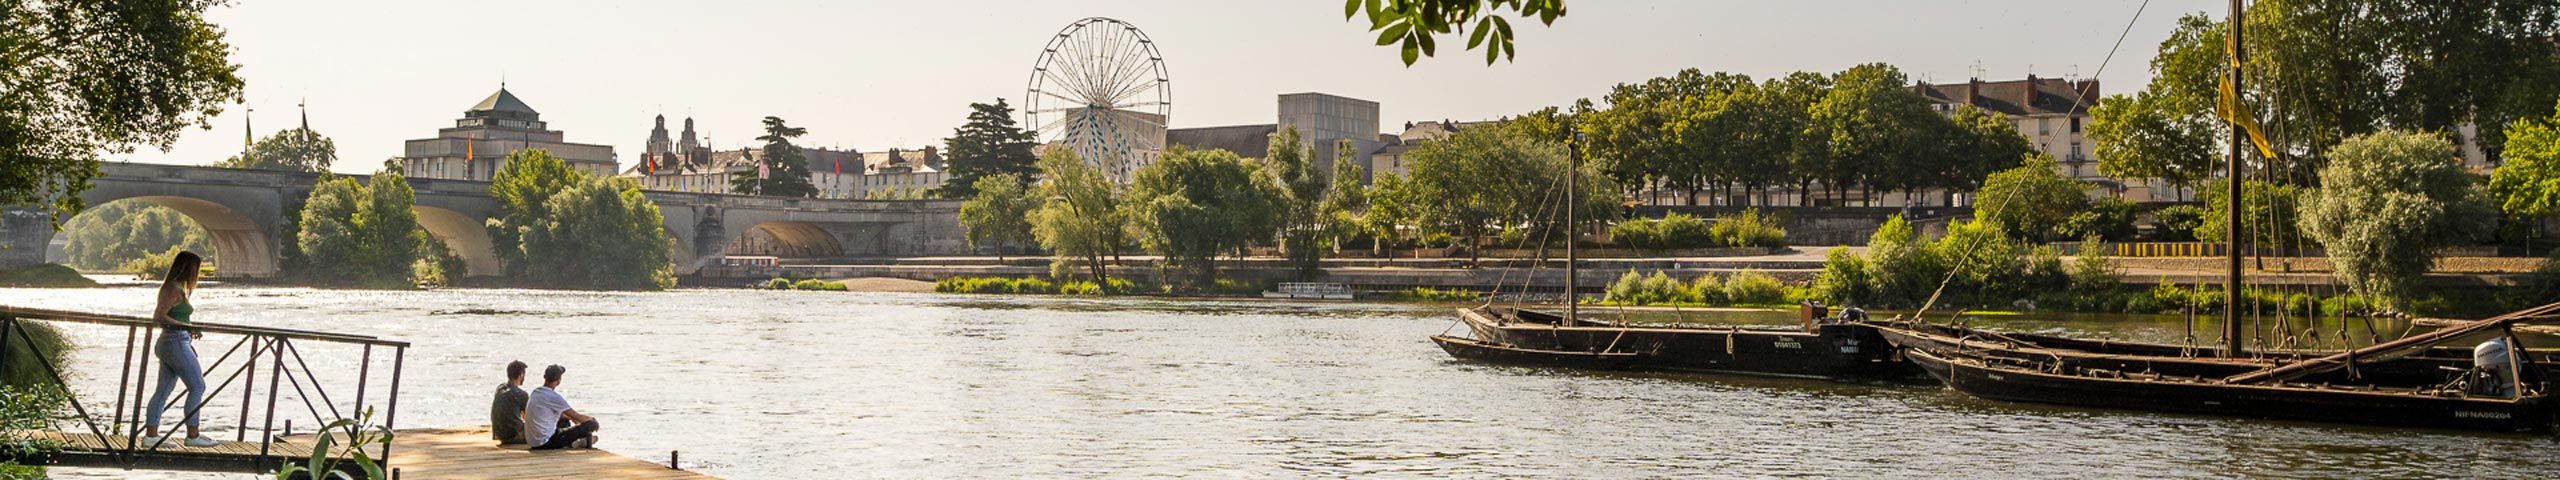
1976	377
1481	351
1836	351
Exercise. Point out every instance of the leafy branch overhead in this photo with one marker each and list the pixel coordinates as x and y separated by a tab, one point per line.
1413	24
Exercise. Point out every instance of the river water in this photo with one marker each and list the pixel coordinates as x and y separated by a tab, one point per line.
768	385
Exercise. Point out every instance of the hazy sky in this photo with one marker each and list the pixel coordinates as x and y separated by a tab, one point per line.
878	74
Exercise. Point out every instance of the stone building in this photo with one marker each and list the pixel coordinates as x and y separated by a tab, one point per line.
1323	122
900	174
479	142
2053	114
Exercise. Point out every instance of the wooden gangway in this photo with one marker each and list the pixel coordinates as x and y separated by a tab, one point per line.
112	437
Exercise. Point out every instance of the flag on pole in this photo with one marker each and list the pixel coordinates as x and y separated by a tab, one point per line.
2227	104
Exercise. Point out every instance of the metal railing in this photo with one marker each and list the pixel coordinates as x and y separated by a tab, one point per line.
277	348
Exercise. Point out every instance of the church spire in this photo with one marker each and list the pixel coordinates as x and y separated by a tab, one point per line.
306	114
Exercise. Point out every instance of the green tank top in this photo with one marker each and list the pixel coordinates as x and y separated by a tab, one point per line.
181	313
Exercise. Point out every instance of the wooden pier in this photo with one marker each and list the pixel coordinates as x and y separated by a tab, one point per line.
469	454
464	454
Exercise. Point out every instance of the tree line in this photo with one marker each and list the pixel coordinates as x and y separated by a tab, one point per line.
1860	129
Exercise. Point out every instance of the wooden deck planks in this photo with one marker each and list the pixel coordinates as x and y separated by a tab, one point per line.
470	454
465	454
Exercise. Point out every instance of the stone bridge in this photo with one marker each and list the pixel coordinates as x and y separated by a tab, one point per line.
245	211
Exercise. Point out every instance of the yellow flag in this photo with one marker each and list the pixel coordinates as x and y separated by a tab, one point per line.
2228	105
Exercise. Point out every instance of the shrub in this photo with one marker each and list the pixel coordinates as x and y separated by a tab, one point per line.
1684	231
1750	287
1708	290
1428	294
51	341
2177	224
1079	287
785	284
1032	285
1844	279
1748	229
153	266
1641	233
818	285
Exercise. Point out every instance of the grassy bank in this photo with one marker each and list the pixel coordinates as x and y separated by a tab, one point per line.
45	276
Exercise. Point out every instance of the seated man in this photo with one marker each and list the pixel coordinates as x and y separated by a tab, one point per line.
549	423
506	411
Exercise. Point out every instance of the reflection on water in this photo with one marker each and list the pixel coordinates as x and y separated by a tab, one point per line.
760	384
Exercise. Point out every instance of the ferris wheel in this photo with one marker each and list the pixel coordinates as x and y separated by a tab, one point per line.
1100	90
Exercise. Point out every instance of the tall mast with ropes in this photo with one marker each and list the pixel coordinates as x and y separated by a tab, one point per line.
2231	226
1572	178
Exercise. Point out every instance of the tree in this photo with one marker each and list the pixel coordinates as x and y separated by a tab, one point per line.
105	237
1191	205
2527	185
296	150
998	212
988	145
1880	134
1346	199
2140	136
784	172
1303	233
332	235
391	227
1808	159
1391	205
1984	142
2326	70
525	181
2388	202
1080	222
88	77
2031	201
1455	187
601	233
1414	23
360	235
2268	211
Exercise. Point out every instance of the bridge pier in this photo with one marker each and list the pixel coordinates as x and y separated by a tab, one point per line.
23	235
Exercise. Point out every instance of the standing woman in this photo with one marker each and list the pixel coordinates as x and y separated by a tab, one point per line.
177	351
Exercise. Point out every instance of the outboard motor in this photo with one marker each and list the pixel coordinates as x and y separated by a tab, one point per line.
2490	363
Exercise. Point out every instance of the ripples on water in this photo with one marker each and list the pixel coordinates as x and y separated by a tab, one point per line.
760	384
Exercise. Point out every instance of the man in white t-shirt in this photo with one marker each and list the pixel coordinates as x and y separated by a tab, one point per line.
549	423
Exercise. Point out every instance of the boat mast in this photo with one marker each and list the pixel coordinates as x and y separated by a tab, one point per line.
1572	177
2231	239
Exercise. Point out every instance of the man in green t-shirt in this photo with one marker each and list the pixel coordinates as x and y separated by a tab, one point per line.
506	412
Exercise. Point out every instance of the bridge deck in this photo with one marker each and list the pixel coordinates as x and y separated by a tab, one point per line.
428	453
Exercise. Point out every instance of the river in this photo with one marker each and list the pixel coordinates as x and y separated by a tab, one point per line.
769	385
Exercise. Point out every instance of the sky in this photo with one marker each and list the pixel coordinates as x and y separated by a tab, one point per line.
873	75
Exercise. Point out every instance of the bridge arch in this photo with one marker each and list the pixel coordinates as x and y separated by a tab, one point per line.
465	235
793	239
242	248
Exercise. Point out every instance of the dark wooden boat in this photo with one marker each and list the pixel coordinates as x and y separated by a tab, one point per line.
1823	348
1482	351
2405	382
2432	407
2137	357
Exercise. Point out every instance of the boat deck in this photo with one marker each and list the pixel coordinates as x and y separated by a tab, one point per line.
425	453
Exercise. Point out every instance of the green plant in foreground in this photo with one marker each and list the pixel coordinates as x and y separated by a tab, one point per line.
325	464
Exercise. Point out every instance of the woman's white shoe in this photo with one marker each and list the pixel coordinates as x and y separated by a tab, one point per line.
202	442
